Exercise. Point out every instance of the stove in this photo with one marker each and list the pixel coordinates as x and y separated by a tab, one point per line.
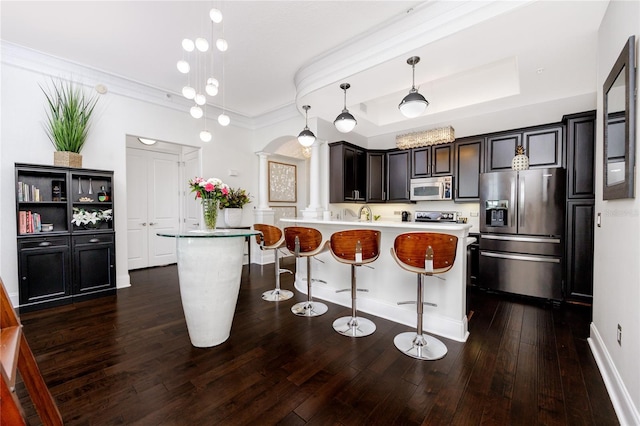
435	216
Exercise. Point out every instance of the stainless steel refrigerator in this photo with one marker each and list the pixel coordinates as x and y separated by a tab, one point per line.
522	226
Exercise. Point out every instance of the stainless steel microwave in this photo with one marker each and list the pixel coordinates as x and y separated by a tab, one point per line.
432	188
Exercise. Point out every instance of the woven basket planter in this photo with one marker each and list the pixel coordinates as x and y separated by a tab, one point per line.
67	159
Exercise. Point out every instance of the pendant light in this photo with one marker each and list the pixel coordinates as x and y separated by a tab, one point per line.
345	122
306	136
414	103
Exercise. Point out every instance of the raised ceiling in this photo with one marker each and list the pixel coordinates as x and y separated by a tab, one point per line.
477	57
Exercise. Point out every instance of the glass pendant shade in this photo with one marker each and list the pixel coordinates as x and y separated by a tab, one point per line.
188	92
224	120
222	44
215	15
306	137
188	45
196	112
202	44
345	122
200	99
183	66
205	136
211	89
413	104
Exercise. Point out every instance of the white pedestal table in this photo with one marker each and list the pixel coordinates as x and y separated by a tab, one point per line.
209	271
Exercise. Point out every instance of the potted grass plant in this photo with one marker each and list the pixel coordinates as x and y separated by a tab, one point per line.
232	205
68	120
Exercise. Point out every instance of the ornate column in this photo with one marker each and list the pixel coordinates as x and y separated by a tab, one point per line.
314	210
263	213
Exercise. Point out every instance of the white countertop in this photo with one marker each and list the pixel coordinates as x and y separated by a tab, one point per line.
444	226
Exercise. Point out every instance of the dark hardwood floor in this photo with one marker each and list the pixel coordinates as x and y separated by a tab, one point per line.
127	360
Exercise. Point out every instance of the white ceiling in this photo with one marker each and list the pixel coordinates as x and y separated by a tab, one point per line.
477	56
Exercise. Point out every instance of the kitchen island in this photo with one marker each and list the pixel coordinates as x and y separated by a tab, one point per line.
388	284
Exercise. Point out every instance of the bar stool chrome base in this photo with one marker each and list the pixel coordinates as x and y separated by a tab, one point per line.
277	295
418	346
309	309
354	326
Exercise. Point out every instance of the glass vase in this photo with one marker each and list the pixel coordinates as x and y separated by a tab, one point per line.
210	212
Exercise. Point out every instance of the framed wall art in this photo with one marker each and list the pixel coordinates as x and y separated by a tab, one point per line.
282	182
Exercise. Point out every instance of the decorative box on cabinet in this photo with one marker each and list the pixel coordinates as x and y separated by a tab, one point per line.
348	170
398	176
70	261
543	145
468	166
435	160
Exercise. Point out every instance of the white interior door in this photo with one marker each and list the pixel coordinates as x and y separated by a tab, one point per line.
153	205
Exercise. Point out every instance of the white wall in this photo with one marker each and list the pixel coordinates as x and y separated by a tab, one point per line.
616	298
119	113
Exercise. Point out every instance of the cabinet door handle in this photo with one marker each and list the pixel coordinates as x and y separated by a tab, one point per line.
44	244
153	223
144	224
94	240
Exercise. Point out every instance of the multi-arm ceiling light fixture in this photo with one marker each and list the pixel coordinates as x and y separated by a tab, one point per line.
414	103
210	86
306	136
345	122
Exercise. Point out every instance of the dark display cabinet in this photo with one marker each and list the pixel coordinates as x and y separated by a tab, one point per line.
468	166
398	176
543	145
348	166
65	234
436	160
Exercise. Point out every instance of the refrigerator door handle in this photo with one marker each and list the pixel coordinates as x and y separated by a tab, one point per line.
521	239
520	257
512	213
521	202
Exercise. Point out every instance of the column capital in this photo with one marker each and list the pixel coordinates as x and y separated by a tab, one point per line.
263	154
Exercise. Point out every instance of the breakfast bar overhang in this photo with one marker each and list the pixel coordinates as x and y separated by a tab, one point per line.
387	283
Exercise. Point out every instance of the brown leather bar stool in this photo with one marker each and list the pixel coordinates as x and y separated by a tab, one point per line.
355	247
305	242
425	254
272	238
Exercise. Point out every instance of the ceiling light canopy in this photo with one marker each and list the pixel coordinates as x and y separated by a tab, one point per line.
345	122
147	141
414	103
306	136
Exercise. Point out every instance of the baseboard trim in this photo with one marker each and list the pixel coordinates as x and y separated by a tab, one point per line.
622	403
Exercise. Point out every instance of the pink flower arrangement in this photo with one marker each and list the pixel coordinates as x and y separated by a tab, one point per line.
212	188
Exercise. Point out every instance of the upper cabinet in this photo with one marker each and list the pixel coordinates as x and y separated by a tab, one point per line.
376	177
468	166
543	145
348	169
436	160
398	175
581	135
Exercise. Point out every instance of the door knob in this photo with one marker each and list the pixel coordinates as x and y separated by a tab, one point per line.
144	224
153	223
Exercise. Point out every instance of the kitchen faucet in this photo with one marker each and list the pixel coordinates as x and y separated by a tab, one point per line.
368	211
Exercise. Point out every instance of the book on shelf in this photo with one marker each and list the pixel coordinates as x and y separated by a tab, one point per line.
28	193
22	222
29	222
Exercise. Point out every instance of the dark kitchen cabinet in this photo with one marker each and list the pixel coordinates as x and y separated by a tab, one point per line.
543	145
376	176
580	223
581	135
348	169
62	258
435	160
468	166
398	175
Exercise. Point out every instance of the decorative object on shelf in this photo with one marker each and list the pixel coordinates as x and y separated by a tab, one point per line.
232	205
520	161
204	69
306	136
414	103
345	122
58	190
90	219
103	195
68	121
428	137
212	192
85	199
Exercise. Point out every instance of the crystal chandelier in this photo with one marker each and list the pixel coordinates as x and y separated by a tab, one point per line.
426	138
